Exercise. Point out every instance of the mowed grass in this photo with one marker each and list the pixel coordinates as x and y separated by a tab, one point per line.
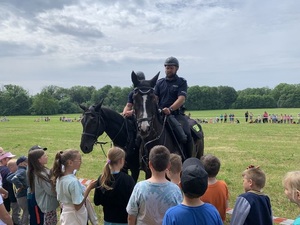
274	147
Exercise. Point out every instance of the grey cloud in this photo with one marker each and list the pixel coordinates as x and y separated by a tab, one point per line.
81	29
10	49
30	7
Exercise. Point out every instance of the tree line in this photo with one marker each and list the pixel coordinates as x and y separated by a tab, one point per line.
15	100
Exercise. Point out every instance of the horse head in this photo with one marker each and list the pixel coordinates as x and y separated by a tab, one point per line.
144	103
93	126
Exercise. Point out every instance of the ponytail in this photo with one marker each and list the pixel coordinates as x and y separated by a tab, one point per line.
113	156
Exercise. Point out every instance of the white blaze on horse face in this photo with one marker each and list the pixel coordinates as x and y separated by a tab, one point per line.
145	124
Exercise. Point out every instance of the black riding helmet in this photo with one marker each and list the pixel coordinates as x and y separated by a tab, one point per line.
140	75
172	61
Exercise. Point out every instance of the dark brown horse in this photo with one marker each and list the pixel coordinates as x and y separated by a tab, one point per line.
96	120
152	125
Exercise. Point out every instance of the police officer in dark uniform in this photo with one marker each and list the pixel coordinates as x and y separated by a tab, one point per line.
128	111
171	92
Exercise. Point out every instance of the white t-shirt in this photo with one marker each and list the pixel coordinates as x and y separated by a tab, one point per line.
1	202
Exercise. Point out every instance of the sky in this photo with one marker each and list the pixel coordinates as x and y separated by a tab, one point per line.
66	43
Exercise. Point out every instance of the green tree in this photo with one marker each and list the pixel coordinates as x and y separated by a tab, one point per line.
14	100
227	96
44	104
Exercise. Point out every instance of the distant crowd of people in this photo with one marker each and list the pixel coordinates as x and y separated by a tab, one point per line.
250	118
176	193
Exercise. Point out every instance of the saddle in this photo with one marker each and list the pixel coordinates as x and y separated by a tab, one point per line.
178	132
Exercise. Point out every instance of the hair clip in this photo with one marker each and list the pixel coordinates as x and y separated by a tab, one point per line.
108	161
252	167
63	168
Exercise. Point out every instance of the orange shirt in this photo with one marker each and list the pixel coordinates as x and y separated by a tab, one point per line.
217	194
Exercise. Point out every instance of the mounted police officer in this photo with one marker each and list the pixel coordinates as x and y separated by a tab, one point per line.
172	92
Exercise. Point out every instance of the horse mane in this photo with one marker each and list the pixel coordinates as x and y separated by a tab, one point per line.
111	114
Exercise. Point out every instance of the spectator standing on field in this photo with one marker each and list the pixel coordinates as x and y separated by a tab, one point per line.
173	173
291	184
10	203
217	191
253	206
151	198
192	211
114	188
19	179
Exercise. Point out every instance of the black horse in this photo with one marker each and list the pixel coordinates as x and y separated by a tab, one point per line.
96	120
152	125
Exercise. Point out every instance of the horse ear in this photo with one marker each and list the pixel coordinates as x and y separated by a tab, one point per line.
134	79
84	108
154	79
98	106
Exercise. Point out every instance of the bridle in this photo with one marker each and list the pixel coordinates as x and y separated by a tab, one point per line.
100	120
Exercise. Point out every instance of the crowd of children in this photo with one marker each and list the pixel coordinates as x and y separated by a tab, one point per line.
176	193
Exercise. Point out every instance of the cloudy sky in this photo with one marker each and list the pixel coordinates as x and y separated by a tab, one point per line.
236	43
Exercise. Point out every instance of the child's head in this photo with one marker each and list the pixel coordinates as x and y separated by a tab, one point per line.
159	158
115	160
291	183
194	178
22	161
5	157
176	165
115	155
36	165
253	179
12	165
211	165
69	159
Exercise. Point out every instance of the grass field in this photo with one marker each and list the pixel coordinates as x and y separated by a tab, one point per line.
274	147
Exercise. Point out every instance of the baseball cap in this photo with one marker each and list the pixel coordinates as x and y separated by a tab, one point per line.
37	147
194	178
6	155
21	159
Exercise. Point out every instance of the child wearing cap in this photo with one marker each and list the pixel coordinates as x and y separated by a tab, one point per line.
19	179
217	191
291	184
151	198
253	206
11	201
192	210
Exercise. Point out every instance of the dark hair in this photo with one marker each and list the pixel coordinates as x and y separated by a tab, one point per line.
211	165
113	156
61	158
36	168
159	157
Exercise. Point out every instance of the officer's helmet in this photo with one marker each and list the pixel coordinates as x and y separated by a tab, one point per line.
172	61
140	75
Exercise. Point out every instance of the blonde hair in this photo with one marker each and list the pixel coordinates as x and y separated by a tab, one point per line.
291	180
257	176
113	156
176	163
11	164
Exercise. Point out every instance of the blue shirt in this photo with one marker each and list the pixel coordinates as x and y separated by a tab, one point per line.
168	90
205	214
